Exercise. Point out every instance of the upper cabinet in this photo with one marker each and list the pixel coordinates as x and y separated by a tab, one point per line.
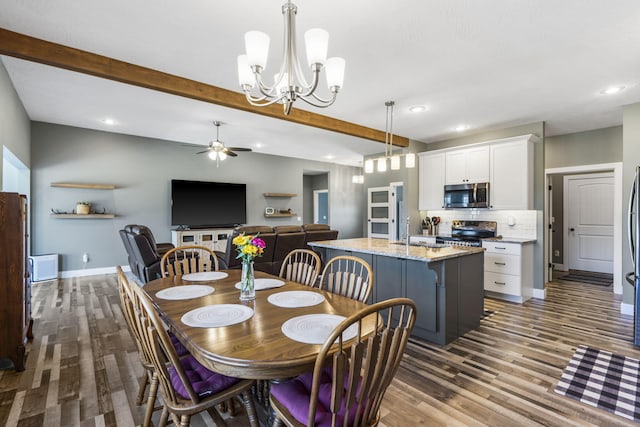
506	164
431	186
467	166
512	175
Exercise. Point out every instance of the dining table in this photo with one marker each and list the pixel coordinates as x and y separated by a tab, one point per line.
275	336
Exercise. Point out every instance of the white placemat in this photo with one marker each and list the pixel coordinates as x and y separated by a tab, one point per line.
293	299
204	276
215	316
264	283
185	292
316	328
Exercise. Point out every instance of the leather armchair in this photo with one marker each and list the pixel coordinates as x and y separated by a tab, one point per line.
143	251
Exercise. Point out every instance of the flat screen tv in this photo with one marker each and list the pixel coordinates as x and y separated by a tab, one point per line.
200	204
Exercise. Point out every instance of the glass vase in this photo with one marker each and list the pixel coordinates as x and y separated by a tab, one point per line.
247	285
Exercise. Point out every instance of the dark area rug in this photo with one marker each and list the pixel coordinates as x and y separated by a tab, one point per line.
602	279
604	380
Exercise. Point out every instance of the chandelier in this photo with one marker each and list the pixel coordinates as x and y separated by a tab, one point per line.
290	83
394	159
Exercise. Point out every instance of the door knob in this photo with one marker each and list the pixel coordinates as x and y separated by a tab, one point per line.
572	229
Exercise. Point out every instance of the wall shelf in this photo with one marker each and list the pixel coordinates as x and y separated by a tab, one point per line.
280	215
279	194
89	186
87	216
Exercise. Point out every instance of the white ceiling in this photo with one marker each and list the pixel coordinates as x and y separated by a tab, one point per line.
487	64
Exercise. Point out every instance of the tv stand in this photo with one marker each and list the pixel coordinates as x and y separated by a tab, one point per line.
213	238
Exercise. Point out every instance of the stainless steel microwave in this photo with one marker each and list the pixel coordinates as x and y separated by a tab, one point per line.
466	196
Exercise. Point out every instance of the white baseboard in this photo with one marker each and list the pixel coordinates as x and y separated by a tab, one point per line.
90	272
626	308
540	293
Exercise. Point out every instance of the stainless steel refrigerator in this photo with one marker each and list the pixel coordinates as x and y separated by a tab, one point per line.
634	244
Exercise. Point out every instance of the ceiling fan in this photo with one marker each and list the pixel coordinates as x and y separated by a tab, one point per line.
217	150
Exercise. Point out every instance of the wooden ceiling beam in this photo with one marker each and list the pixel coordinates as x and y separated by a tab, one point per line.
44	52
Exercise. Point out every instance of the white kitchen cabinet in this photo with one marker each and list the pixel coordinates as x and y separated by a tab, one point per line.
467	166
212	238
431	186
508	270
511	181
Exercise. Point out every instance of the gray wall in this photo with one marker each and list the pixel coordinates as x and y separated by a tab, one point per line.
577	149
630	159
14	122
584	148
141	169
536	129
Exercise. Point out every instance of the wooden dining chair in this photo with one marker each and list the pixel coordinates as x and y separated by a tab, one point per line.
188	259
187	387
302	266
349	378
348	276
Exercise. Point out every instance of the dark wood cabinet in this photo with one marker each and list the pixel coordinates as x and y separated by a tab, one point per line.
15	285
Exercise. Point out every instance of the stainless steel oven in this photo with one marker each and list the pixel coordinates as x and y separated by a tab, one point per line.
463	196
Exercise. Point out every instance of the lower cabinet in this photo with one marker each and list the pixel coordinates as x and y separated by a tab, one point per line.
448	294
212	238
508	270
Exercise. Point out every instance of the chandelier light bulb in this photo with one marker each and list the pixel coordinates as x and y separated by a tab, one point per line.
395	163
335	72
317	43
257	46
368	166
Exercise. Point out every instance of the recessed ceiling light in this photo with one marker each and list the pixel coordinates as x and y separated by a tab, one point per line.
109	121
329	157
417	109
258	145
612	90
461	128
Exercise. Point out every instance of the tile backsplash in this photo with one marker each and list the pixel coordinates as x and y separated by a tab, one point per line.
524	222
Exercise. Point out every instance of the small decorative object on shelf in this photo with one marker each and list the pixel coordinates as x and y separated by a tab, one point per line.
248	248
83	208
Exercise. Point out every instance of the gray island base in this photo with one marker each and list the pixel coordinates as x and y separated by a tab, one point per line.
447	283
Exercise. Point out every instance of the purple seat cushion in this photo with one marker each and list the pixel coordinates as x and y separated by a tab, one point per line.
295	395
181	350
204	382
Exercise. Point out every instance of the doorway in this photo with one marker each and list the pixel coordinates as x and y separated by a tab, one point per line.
588	217
555	222
321	206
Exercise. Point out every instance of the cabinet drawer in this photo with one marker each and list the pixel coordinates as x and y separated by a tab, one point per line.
502	263
502	248
502	283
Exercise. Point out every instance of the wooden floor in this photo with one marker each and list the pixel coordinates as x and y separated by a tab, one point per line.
82	367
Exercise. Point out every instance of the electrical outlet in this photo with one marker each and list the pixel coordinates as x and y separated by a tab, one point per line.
556	253
85	258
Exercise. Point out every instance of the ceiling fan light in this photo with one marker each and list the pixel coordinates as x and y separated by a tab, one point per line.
212	155
222	155
317	43
257	46
245	75
410	161
335	72
368	166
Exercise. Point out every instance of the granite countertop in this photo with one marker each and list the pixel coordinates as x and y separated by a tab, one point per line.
397	250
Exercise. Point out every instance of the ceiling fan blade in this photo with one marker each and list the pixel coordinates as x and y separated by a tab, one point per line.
205	151
230	153
239	149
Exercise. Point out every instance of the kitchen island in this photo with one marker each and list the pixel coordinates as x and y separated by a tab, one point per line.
446	282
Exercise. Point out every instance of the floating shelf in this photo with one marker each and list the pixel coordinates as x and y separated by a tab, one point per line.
90	186
280	215
279	194
87	216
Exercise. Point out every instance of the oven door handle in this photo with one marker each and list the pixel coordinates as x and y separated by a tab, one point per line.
475	193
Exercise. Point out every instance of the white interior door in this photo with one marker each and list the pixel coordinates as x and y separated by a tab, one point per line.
589	210
379	212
